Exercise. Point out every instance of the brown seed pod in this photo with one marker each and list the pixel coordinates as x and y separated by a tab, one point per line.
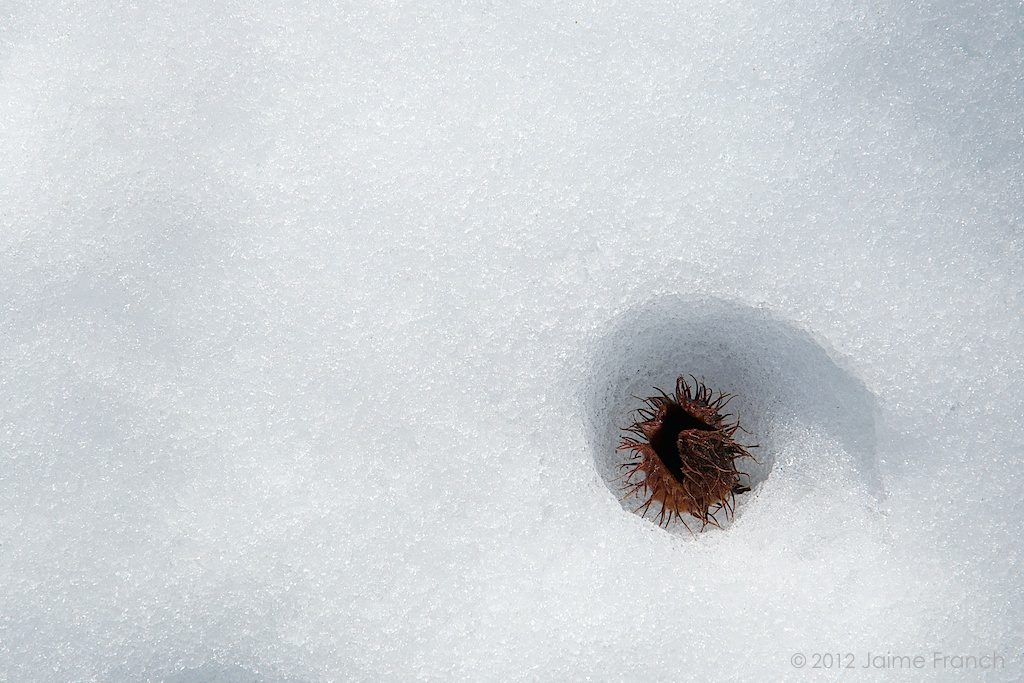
686	454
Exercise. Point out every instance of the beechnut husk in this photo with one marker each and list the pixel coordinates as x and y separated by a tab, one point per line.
685	452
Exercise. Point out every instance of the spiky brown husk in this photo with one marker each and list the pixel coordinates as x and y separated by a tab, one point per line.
686	454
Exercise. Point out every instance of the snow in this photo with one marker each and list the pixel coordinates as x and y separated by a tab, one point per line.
317	323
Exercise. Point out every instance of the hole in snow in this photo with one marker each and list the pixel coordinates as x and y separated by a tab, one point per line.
777	371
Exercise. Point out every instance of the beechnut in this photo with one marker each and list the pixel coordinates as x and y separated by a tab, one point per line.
684	451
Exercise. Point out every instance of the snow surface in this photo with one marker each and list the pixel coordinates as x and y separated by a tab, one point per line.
316	323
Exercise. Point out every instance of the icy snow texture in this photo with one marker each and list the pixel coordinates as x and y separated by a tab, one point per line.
313	316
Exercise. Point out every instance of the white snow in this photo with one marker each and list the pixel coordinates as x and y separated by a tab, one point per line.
316	324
